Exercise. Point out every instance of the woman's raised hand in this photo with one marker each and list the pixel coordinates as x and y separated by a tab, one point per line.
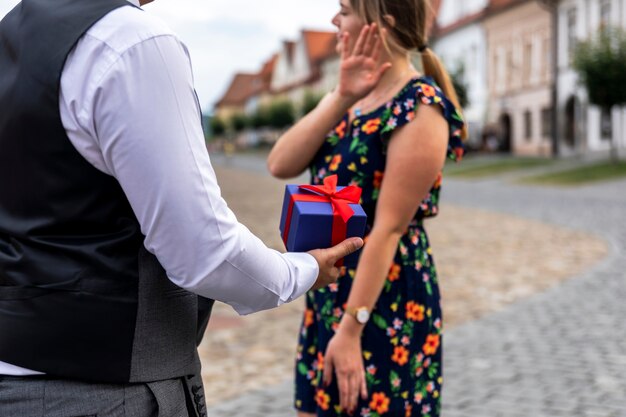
360	68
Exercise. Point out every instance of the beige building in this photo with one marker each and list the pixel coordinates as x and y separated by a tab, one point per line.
519	57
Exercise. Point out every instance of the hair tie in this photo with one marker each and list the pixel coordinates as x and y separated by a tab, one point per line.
422	48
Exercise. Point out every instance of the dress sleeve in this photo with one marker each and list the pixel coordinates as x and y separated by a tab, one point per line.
402	109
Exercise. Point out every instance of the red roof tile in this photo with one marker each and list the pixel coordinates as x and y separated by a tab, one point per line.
319	45
240	89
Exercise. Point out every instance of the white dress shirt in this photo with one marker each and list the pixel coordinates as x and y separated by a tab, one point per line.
128	105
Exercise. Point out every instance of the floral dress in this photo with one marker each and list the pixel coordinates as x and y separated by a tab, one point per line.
402	341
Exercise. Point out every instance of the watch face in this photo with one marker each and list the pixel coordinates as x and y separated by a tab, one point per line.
362	316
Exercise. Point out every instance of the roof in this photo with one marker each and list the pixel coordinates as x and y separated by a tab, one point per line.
495	6
462	22
241	87
492	8
245	85
319	45
431	20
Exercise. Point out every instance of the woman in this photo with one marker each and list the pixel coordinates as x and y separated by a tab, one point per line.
390	131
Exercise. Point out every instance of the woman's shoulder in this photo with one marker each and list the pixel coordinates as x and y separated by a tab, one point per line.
423	90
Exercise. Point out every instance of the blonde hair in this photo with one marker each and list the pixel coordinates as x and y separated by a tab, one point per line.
409	33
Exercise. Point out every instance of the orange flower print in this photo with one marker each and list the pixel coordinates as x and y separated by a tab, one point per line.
431	345
322	399
378	179
400	355
371	126
408	410
394	273
458	153
320	361
334	164
414	311
379	403
308	317
428	90
438	181
340	130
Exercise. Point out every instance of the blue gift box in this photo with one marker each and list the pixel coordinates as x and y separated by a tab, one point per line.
312	223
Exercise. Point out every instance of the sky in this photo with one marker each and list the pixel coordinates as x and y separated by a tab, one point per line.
228	36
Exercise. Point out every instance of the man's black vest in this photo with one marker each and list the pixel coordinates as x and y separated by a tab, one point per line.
80	297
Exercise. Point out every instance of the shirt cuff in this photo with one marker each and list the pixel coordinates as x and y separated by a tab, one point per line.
305	269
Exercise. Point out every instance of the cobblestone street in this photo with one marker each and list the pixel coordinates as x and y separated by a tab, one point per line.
533	292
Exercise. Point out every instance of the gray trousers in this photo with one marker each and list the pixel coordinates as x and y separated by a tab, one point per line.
47	397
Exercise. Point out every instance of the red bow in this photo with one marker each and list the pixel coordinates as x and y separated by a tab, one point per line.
338	199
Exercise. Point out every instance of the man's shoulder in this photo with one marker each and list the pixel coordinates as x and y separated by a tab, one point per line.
127	26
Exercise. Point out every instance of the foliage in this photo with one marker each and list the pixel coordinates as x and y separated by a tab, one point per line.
581	175
460	86
310	101
239	121
281	113
601	64
218	126
260	118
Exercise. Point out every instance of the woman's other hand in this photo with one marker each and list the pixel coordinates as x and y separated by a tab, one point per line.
360	69
344	358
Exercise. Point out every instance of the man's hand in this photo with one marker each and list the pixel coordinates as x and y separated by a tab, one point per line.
326	259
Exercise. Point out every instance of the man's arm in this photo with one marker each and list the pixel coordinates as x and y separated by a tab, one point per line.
144	122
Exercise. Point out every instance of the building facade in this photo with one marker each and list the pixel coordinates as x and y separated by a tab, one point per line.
460	41
584	128
519	56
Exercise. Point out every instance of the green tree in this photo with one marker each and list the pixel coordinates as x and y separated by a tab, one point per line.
310	101
460	86
260	118
600	62
281	113
218	127
239	121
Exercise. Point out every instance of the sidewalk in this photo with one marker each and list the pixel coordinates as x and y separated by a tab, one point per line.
502	359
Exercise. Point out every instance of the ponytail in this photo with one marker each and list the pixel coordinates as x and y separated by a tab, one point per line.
434	68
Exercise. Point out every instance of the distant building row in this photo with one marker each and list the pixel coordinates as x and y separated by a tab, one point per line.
513	55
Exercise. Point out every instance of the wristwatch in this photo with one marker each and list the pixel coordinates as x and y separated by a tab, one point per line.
361	314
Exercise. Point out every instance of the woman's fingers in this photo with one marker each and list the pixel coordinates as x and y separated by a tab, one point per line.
360	42
345	40
354	392
368	45
351	385
344	390
382	70
327	374
363	386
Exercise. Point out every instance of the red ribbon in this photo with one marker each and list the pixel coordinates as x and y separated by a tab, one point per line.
339	201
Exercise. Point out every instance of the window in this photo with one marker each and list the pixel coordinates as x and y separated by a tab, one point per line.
546	58
571	31
528	125
510	65
605	13
606	124
546	122
528	61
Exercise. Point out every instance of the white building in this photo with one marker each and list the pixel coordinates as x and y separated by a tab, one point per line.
459	40
299	64
584	128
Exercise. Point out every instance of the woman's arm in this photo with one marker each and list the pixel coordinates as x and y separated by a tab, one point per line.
359	73
295	149
415	156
